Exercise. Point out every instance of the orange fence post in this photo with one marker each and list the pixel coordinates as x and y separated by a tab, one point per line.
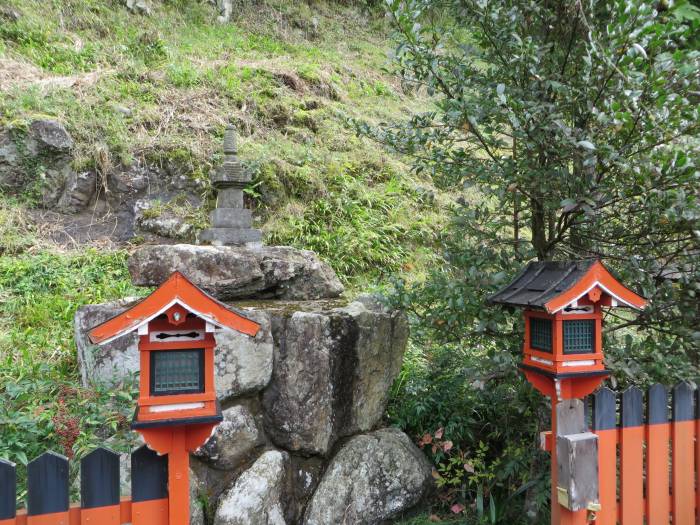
99	488
697	453
631	458
658	433
605	425
683	436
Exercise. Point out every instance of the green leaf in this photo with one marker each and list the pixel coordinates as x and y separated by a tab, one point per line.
586	144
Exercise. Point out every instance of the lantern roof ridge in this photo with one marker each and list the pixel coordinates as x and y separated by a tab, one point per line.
177	289
553	285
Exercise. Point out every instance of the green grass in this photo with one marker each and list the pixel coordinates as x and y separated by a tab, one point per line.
42	405
290	85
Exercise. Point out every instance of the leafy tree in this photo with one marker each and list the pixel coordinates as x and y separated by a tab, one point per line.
576	124
571	129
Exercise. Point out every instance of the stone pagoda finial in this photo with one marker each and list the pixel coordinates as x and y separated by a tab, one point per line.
231	222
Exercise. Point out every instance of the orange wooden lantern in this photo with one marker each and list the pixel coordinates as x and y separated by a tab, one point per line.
177	406
563	306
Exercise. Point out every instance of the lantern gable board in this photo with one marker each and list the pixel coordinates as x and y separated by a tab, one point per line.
176	325
563	307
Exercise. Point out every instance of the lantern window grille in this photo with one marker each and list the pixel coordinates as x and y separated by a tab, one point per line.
579	336
177	372
541	334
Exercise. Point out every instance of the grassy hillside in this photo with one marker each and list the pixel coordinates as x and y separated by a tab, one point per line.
159	89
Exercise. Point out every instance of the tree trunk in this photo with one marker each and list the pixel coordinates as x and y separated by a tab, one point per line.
538	224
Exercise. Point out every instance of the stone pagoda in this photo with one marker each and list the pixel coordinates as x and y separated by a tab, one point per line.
230	221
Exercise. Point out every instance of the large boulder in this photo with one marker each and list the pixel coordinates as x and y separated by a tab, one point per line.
243	364
258	497
112	362
373	478
228	272
233	440
333	369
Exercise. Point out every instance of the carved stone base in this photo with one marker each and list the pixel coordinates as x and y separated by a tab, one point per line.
230	236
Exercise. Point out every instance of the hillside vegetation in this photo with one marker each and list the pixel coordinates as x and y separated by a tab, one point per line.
159	89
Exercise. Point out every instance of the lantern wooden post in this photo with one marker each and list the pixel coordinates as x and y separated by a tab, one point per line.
563	350
177	409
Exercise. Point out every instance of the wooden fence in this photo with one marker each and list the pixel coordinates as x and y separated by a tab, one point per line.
648	457
48	491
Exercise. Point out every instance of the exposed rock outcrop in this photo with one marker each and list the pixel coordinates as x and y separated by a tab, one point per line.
113	361
37	160
141	7
242	364
270	272
371	479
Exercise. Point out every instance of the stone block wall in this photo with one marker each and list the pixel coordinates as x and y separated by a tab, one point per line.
303	437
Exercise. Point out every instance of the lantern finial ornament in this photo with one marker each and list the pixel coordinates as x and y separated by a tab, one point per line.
563	307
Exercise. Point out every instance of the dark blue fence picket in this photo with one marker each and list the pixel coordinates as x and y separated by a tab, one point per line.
8	489
99	479
47	484
149	475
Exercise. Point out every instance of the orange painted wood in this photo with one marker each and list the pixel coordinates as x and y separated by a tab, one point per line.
125	510
631	475
683	477
179	478
557	361
177	345
178	398
55	518
597	273
101	516
209	409
74	514
697	463
178	287
570	388
607	465
198	435
658	507
154	512
11	521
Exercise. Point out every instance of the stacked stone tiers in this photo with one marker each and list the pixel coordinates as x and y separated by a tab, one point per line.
231	221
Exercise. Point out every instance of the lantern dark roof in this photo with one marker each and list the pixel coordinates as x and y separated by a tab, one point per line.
541	281
551	286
